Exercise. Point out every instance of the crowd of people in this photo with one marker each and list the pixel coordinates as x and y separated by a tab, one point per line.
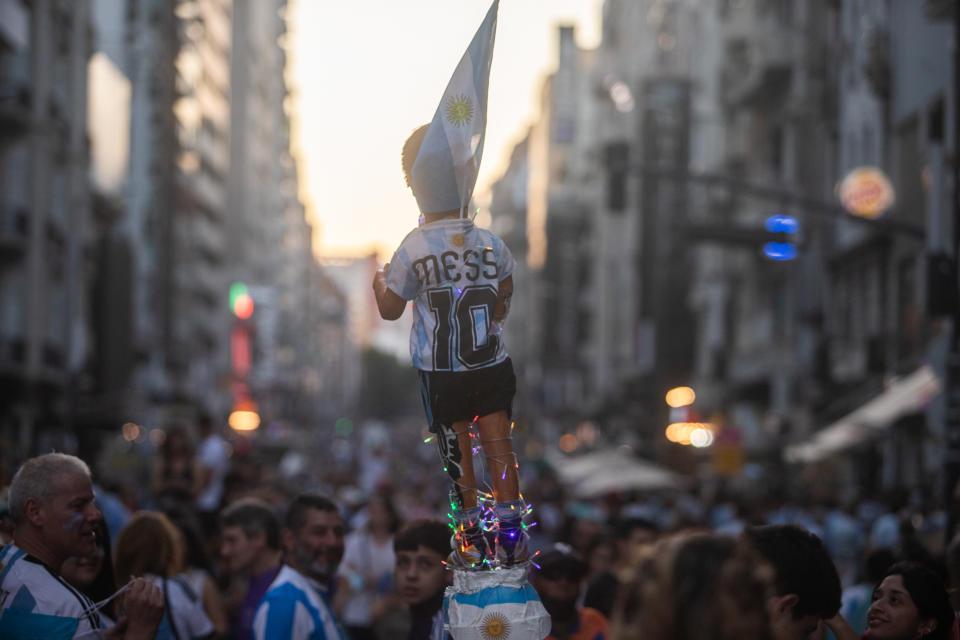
212	548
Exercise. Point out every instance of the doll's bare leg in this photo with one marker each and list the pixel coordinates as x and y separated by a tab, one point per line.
511	541
498	449
456	452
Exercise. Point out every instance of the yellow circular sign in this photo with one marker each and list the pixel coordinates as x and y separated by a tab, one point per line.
866	192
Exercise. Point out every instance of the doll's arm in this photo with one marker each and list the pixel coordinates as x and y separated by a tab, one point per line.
389	304
504	292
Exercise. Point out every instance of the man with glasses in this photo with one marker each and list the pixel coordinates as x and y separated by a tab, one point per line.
558	582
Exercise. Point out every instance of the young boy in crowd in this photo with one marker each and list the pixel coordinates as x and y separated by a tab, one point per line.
420	548
460	279
806	585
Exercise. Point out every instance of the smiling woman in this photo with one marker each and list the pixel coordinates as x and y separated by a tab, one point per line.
93	574
910	602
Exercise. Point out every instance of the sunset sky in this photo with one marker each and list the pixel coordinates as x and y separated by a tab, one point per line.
366	73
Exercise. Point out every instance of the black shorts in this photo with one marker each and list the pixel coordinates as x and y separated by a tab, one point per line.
453	396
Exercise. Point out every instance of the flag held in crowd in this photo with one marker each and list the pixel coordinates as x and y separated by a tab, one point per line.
445	171
480	605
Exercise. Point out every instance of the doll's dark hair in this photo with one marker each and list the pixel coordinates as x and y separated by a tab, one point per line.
410	150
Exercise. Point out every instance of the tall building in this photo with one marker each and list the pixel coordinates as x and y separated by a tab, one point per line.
178	59
695	124
146	165
266	227
660	123
508	211
778	121
559	234
885	336
103	400
44	208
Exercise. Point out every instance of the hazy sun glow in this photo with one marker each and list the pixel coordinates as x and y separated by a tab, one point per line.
364	74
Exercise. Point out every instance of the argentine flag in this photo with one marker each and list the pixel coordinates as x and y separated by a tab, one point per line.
445	170
481	605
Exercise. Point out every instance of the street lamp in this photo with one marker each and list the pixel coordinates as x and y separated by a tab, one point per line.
680	397
244	416
684	427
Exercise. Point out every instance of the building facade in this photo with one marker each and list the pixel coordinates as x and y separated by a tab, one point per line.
44	201
146	165
694	125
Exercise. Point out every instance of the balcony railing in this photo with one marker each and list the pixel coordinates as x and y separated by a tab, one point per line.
762	68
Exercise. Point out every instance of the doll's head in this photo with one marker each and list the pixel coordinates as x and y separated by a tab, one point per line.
410	150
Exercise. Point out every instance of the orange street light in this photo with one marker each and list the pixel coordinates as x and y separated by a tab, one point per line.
680	397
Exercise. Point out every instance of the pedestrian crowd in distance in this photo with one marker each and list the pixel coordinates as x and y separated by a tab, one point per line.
217	549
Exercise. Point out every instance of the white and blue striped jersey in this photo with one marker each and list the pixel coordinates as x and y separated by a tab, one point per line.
295	608
36	602
452	271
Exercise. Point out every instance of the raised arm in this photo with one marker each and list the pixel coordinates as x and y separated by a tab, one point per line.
389	304
504	292
841	630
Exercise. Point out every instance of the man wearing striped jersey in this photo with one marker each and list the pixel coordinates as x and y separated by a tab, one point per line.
297	606
460	279
51	505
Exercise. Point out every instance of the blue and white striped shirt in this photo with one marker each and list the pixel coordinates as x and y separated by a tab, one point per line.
295	607
35	602
452	270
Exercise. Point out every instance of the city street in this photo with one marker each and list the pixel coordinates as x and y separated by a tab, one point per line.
716	243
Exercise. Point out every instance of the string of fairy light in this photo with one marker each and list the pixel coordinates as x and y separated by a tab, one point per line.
485	497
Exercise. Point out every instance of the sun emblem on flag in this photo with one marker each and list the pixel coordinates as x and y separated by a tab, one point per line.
495	626
459	110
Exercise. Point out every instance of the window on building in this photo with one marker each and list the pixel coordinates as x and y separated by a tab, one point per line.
870	155
908	316
776	150
911	198
936	122
617	160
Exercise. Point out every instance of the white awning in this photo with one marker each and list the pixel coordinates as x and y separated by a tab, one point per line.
600	472
905	395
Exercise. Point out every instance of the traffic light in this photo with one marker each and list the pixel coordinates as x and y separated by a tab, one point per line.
783	245
241	304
